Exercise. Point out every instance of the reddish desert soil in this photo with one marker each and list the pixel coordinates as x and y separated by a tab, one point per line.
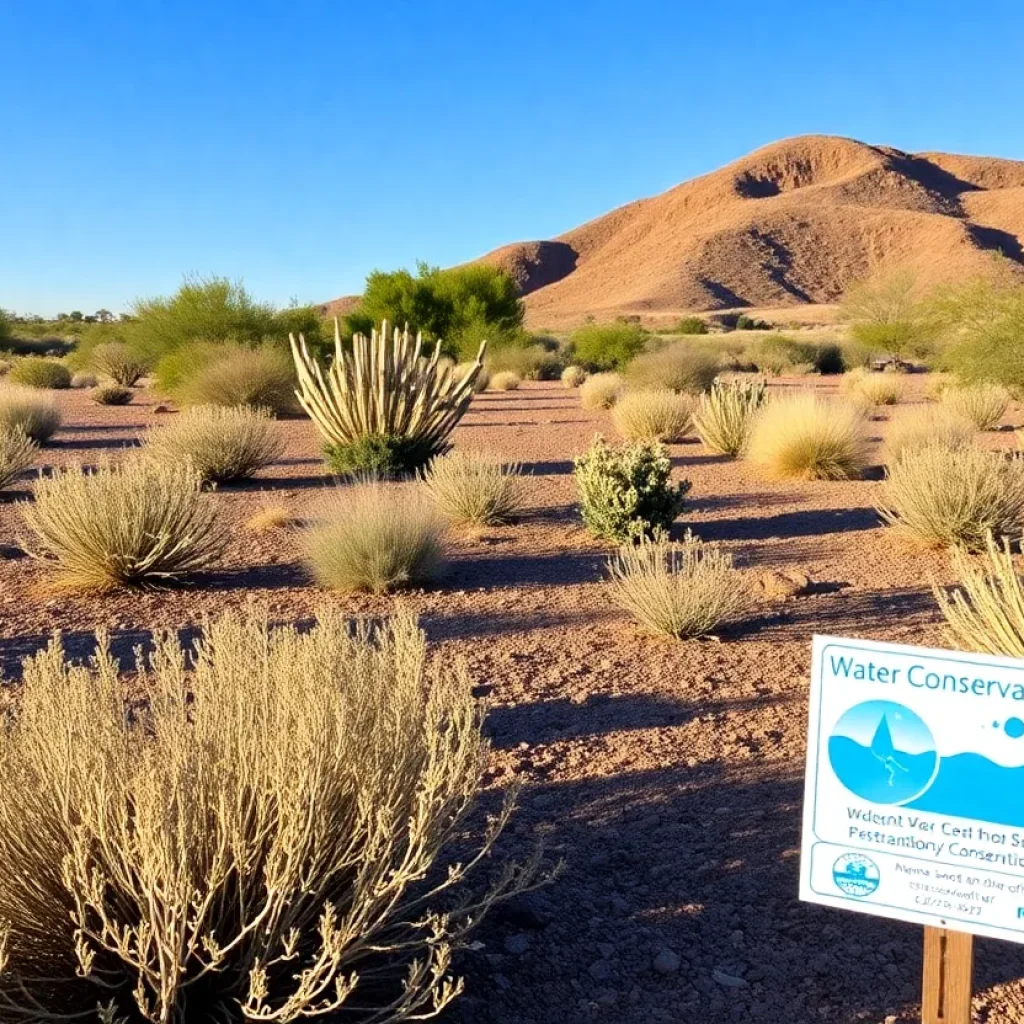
668	775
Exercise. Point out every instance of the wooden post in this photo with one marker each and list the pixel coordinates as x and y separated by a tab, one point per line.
948	966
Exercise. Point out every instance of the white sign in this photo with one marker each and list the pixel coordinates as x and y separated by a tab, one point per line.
914	794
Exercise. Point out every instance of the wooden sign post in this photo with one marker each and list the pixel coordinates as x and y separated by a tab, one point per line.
948	966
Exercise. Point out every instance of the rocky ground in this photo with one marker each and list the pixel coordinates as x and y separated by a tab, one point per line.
668	776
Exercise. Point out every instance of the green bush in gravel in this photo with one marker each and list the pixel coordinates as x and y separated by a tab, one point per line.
41	373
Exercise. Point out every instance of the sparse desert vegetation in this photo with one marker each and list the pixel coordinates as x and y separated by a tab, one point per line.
601	391
655	415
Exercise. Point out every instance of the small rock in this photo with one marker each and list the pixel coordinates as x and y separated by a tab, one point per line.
728	980
666	962
517	945
780	586
162	408
600	970
608	997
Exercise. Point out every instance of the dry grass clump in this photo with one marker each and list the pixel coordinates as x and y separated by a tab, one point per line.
983	404
80	381
139	523
271	517
653	416
601	391
723	417
935	385
506	380
480	382
267	838
474	489
872	389
986	612
221	444
573	376
35	414
377	538
917	427
680	367
118	362
807	437
112	394
17	453
679	590
939	497
261	378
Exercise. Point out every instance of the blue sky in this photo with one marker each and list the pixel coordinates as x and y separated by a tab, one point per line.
298	145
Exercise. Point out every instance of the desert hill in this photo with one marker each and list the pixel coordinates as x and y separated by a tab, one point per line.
790	224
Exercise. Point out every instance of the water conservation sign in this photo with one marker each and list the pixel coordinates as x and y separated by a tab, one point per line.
914	794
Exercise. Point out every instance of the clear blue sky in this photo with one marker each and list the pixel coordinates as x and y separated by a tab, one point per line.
299	144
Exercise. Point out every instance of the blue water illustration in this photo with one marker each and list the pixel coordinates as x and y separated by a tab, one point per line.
884	752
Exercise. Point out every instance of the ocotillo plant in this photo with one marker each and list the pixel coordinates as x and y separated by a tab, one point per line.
383	408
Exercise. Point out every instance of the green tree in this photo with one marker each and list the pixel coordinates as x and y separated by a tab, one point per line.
76	315
886	315
5	326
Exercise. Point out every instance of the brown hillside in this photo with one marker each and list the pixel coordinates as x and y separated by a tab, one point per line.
792	223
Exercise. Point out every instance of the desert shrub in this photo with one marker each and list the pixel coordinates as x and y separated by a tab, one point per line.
935	385
940	497
17	453
573	376
807	437
885	315
871	389
112	394
138	523
607	346
680	590
267	838
601	391
776	354
271	517
481	381
116	361
918	427
986	611
221	444
381	408
475	489
723	417
36	372
80	381
653	416
691	325
377	538
751	323
625	492
260	378
983	404
505	381
23	408
829	358
5	367
680	367
532	362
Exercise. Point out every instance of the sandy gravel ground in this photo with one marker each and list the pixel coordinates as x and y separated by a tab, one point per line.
667	775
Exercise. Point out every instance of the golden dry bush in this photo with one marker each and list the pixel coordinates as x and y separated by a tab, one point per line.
938	497
919	426
983	404
377	537
935	385
601	391
270	517
33	412
681	590
480	382
17	453
279	831
222	443
506	380
136	523
474	489
118	363
573	376
985	612
653	416
807	437
724	415
871	389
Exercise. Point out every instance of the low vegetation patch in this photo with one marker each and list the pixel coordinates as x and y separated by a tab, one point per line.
871	389
601	391
573	376
506	381
35	414
723	417
983	404
481	381
261	378
17	453
680	367
35	372
918	427
81	381
602	347
472	489
653	416
377	537
625	492
680	590
137	523
806	437
939	497
112	394
118	363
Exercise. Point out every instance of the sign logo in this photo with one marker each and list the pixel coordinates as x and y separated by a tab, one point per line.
855	874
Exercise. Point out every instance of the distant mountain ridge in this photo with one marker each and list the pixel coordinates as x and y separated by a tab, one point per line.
790	224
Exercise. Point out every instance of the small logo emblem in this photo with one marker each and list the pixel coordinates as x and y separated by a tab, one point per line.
855	874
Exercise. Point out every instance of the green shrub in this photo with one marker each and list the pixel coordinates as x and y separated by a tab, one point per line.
749	323
36	372
607	346
724	416
885	316
280	831
601	391
983	404
678	590
942	497
806	437
625	492
221	444
118	362
139	523
691	325
653	416
112	394
17	453
505	381
829	358
259	378
475	490
377	538
777	354
573	376
24	408
534	362
678	367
